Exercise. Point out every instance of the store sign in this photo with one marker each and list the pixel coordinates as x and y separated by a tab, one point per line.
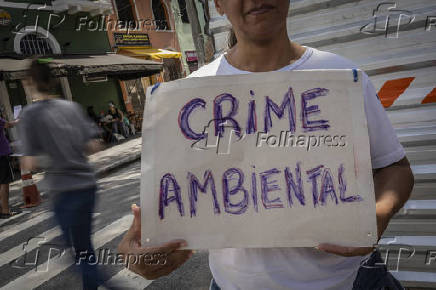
191	55
5	18
129	39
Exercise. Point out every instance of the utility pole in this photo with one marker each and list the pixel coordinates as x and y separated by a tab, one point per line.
197	35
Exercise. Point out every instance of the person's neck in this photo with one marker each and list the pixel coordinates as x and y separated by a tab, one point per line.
255	57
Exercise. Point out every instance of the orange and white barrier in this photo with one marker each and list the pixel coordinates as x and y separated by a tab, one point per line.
395	92
31	194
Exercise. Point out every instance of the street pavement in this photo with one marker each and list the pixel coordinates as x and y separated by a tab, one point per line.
28	239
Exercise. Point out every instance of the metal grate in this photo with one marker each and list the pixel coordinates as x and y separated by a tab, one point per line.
33	44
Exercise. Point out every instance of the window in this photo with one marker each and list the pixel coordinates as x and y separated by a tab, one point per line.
183	11
171	69
33	44
125	12
160	15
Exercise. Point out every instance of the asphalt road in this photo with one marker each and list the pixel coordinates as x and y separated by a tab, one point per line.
27	240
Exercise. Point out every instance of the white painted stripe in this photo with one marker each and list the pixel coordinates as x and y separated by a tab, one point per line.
428	241
18	251
126	279
27	182
25	225
420	204
33	279
415	276
24	6
13	217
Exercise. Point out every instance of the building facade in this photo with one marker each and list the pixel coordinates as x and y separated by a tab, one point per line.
145	29
184	33
69	34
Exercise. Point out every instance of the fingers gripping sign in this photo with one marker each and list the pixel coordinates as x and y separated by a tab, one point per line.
150	262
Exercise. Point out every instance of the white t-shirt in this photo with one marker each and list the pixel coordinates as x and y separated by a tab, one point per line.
302	268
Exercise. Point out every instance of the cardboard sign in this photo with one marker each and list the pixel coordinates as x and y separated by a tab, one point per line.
278	159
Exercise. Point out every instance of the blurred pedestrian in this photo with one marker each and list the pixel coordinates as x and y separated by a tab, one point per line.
60	130
6	174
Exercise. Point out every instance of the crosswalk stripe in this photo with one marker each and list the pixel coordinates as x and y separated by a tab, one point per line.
23	226
18	251
126	279
13	217
33	279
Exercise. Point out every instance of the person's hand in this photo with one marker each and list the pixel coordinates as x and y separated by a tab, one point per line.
383	217
170	256
12	124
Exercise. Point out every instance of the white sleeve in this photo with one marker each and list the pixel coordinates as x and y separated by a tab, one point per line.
384	145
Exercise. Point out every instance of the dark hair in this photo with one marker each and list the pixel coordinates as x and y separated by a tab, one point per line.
42	76
232	40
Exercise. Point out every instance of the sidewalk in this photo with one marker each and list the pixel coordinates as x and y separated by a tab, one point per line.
103	162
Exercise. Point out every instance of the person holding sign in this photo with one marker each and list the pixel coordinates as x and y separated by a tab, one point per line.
260	43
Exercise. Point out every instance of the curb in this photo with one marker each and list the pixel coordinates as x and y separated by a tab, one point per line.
129	159
100	172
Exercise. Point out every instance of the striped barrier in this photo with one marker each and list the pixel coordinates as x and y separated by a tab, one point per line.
31	196
394	90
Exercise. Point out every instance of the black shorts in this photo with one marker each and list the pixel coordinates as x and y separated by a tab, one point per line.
6	175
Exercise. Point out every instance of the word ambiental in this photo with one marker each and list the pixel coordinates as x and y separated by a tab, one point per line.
233	180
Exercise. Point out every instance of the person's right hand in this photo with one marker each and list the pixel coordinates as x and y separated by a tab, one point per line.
131	244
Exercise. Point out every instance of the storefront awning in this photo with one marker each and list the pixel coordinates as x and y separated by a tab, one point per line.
149	53
115	65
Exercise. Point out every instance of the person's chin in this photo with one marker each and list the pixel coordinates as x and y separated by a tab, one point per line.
263	33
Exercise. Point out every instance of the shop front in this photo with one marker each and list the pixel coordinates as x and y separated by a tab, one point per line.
92	80
138	45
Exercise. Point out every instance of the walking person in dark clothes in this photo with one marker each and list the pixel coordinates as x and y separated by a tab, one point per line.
60	130
6	175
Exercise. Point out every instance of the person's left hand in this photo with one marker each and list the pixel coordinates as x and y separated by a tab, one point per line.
382	223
